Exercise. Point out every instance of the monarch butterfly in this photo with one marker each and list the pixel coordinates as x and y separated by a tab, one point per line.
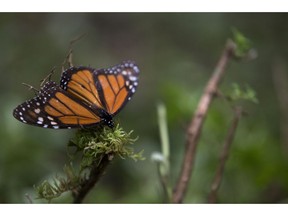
85	97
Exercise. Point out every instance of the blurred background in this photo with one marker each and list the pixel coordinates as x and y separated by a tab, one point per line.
176	54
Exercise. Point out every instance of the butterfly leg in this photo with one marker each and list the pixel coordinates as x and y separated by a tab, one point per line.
30	87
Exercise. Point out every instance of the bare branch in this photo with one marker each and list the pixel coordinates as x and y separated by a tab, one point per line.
194	129
224	155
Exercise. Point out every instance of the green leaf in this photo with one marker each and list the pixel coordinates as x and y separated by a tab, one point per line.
243	44
243	94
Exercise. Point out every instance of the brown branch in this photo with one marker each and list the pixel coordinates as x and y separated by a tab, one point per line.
95	174
195	126
280	77
224	156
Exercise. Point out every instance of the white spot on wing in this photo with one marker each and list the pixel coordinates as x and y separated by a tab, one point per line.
136	69
50	118
133	78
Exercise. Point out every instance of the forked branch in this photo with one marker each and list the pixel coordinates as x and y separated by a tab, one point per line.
194	129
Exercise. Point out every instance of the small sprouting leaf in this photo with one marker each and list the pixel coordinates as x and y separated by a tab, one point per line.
243	94
243	44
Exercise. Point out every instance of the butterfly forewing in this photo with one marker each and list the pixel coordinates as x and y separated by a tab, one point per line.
118	85
80	83
54	108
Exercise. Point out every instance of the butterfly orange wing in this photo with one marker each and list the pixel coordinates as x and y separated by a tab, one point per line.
109	89
118	85
55	108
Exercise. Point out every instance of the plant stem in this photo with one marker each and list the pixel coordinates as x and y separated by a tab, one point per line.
224	155
96	172
163	129
164	166
194	129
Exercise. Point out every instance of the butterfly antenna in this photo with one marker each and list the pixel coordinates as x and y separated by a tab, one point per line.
30	87
68	58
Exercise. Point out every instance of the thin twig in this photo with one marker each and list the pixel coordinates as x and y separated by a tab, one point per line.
194	129
95	174
224	155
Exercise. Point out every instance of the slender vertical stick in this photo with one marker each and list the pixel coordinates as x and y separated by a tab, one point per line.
164	166
163	130
280	78
224	156
195	126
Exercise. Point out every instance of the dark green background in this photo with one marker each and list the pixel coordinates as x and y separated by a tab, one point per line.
176	54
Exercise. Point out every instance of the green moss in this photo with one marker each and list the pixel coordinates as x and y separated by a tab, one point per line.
91	146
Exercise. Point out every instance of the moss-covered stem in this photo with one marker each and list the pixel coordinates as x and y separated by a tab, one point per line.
96	172
96	148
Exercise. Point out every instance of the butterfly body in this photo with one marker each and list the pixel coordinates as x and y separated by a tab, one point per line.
85	97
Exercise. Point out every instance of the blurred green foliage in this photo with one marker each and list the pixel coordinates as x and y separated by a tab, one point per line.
176	54
243	94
